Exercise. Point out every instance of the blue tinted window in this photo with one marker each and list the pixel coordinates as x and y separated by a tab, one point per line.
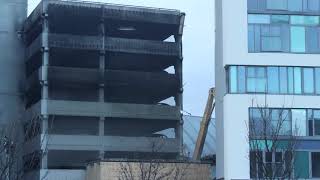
241	79
299	122
261	80
252	4
290	80
295	5
297	37
317	75
316	117
273	79
258	19
297	80
283	80
308	81
312	40
256	79
251	81
251	38
304	20
269	43
277	4
281	19
233	79
313	5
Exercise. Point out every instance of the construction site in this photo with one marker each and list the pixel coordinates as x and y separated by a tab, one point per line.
96	90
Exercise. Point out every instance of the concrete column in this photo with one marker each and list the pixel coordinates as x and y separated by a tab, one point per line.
101	86
45	89
179	95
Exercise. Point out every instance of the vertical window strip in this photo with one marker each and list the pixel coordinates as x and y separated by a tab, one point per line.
233	84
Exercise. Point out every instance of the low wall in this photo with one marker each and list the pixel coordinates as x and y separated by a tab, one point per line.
159	170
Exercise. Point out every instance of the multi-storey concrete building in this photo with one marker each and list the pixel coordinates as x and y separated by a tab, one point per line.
96	80
267	52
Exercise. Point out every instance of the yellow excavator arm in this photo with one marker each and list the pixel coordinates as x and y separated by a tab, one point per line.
204	125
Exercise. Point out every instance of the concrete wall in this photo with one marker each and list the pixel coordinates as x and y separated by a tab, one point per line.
113	170
232	110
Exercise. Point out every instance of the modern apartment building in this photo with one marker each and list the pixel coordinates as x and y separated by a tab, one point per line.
267	53
96	80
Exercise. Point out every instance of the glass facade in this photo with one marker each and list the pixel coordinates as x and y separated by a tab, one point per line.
283	26
283	33
288	121
274	80
302	6
275	163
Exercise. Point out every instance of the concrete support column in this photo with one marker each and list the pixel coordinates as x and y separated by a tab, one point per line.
101	86
179	96
45	89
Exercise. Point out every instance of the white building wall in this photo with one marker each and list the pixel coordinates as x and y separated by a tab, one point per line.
232	110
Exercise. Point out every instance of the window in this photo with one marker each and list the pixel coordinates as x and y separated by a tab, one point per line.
273	79
256	116
256	169
233	79
295	5
312	40
303	6
252	4
297	38
251	38
308	81
299	122
283	122
262	162
317	76
277	4
284	33
304	20
316	123
297	80
283	80
290	80
310	122
258	19
315	158
281	19
241	79
313	5
270	38
251	81
280	122
256	79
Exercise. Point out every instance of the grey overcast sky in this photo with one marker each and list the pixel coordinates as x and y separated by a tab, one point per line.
198	46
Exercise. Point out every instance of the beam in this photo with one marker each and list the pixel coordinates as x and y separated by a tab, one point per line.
112	143
114	44
115	110
109	143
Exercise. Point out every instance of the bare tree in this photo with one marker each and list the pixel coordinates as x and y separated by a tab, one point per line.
273	142
153	168
13	138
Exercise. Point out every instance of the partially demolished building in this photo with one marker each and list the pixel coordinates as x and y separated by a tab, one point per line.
96	83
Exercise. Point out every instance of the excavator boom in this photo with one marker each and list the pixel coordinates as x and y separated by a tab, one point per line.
204	125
